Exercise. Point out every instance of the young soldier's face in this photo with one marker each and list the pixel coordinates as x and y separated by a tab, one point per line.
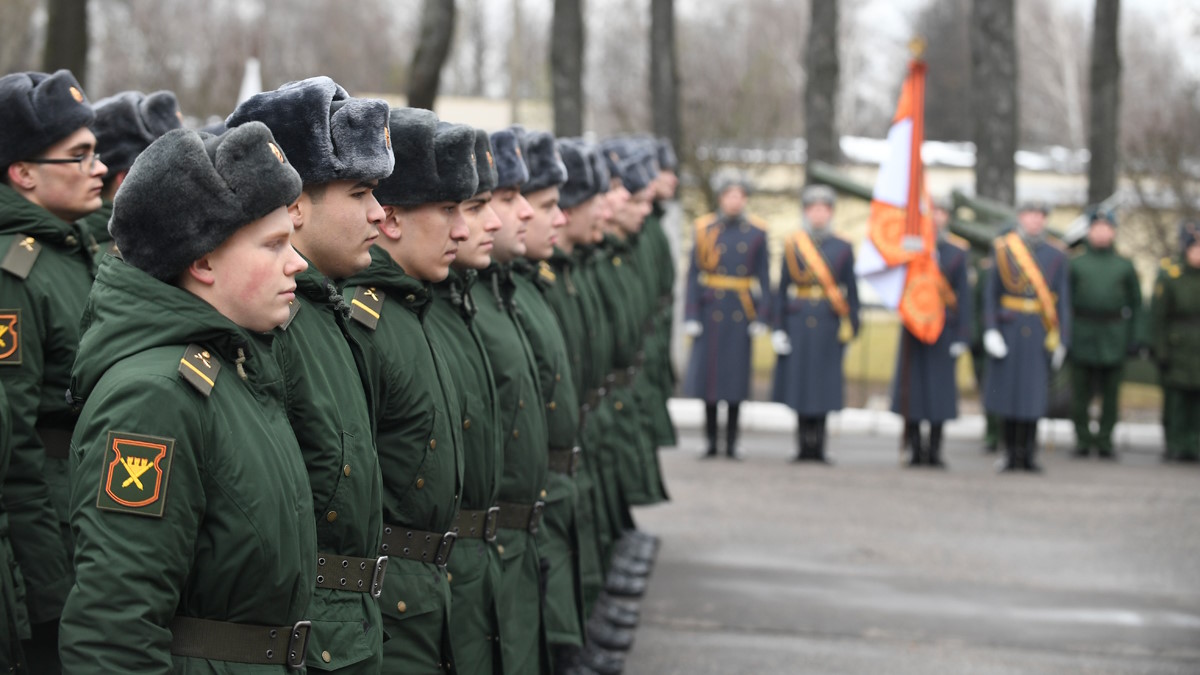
818	215
1101	234
940	218
428	238
618	204
732	201
639	206
253	273
68	190
482	222
667	183
515	213
1032	222
545	225
1193	255
336	225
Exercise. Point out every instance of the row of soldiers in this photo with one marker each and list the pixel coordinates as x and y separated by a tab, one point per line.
1029	310
341	387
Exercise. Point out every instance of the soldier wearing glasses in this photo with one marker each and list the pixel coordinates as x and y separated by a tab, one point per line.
50	178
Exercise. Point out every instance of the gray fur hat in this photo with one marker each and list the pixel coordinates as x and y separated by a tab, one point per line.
731	178
38	110
600	169
327	134
1095	214
637	170
546	168
485	162
667	161
818	193
578	158
613	151
435	160
126	124
511	170
190	191
1034	205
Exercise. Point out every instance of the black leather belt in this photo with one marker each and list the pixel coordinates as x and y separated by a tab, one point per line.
565	460
57	442
521	516
240	642
1099	316
403	542
347	573
479	524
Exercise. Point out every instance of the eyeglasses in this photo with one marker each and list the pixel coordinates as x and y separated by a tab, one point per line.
86	162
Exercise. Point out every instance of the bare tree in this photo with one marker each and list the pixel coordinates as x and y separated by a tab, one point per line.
437	31
994	98
821	85
664	72
1052	58
67	38
945	24
1105	87
566	64
20	43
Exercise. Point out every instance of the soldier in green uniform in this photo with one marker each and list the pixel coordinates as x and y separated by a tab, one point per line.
1174	317
522	419
50	178
126	124
417	402
341	147
14	619
474	571
192	511
1106	305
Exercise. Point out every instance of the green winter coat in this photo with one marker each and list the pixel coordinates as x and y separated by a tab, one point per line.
330	413
1106	302
95	226
418	417
1175	326
41	307
14	619
225	531
474	569
523	428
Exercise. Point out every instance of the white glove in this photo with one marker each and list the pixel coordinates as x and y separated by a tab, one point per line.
781	343
957	349
757	328
693	328
1058	357
993	344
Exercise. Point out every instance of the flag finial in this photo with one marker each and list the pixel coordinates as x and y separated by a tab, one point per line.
917	47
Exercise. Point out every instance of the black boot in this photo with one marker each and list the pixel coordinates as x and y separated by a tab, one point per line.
595	659
819	440
803	445
912	439
935	445
1012	461
608	636
731	430
710	429
1030	447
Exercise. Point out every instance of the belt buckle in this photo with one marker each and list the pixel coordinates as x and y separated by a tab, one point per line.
490	522
296	658
444	549
535	516
381	564
576	454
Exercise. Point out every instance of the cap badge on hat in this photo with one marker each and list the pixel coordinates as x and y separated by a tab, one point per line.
474	160
277	152
387	136
612	154
179	115
491	162
77	95
518	149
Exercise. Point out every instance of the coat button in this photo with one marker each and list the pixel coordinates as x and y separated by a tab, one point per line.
741	270
738	316
410	298
619	405
500	549
433	444
811	322
742	247
521	404
401	607
420	483
516	433
558	377
449	577
326	657
1025	331
543	494
552	405
467	423
346	470
331	516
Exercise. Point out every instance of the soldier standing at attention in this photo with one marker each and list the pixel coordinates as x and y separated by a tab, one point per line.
417	403
50	178
815	317
1106	307
195	543
728	285
1174	318
1027	328
14	622
341	147
126	124
924	387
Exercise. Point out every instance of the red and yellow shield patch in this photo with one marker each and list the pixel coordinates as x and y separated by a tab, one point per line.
10	337
134	474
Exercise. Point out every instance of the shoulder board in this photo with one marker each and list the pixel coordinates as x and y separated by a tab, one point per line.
1174	271
200	369
706	220
366	306
293	310
958	241
21	256
757	222
1165	263
545	272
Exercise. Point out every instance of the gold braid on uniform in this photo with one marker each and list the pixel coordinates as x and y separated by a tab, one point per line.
1014	280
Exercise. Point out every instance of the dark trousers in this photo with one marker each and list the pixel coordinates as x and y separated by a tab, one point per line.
1181	422
731	427
1087	382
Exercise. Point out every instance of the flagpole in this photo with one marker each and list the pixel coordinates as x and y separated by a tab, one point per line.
912	228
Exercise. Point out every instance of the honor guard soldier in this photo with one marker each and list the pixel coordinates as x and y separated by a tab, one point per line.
341	147
924	386
417	404
1027	322
126	124
518	388
195	543
816	315
728	291
1106	307
50	178
1174	323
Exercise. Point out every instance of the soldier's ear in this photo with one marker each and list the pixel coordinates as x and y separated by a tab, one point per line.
298	210
200	272
20	176
391	227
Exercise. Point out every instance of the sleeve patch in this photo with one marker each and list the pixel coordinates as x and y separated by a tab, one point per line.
10	337
134	474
